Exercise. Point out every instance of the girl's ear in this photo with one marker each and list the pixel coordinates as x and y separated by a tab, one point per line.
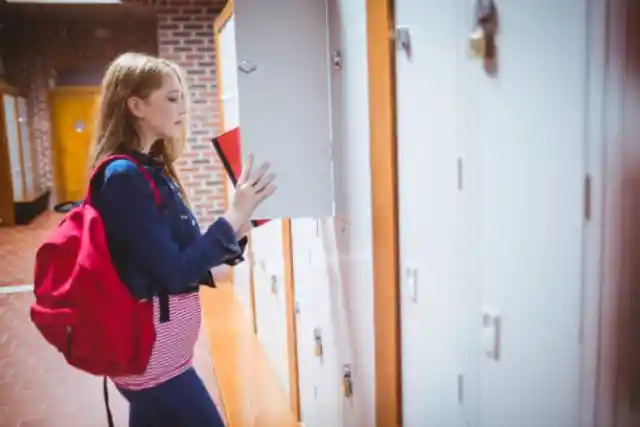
136	106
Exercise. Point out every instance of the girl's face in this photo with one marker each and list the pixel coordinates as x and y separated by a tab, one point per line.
162	114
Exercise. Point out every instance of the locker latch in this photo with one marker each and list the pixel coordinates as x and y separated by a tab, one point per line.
274	284
317	335
347	381
403	40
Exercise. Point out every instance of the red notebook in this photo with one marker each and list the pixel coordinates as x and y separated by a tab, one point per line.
228	148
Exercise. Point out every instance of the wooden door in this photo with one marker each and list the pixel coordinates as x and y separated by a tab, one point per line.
72	111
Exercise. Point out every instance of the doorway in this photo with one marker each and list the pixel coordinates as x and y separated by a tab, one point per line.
72	127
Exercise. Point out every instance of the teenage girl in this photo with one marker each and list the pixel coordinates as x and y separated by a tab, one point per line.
159	251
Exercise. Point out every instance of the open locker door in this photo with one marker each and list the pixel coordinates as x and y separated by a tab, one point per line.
284	101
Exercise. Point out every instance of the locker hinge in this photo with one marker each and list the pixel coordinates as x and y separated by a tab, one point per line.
587	197
403	41
460	174
460	388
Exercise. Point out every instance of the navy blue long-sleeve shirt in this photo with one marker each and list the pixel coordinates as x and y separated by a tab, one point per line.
158	249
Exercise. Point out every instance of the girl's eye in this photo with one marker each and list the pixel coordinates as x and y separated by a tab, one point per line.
174	100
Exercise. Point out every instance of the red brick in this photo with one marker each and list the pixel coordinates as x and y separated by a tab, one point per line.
193	50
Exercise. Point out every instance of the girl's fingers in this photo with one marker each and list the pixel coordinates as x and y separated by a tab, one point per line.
246	171
264	182
255	179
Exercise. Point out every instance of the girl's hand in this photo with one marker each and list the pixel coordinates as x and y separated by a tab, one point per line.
253	188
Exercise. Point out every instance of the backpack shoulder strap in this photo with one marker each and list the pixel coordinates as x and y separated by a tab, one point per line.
98	174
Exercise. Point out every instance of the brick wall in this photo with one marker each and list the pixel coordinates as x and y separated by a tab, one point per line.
181	30
185	35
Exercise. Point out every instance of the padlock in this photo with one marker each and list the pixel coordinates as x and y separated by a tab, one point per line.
318	339
482	37
478	43
347	387
347	382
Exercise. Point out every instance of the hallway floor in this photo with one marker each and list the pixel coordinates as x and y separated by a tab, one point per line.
18	246
37	388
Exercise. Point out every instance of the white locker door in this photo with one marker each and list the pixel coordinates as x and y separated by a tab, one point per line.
13	139
315	278
324	280
303	233
320	377
524	176
269	295
431	294
229	95
228	74
25	137
319	374
339	158
283	101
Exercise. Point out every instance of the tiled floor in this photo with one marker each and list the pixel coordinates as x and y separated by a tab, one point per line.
37	388
18	246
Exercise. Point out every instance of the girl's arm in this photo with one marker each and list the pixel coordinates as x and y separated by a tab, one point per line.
132	221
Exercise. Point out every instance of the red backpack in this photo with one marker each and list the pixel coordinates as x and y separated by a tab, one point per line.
82	308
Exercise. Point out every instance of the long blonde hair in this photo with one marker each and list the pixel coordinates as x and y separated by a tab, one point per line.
135	74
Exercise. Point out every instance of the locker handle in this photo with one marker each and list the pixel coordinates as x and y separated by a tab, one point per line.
412	284
491	335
